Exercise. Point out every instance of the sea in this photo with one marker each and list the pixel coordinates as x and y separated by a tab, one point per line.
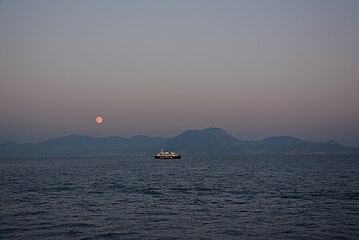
197	197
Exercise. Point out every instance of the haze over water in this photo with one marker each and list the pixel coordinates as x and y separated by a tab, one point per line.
254	68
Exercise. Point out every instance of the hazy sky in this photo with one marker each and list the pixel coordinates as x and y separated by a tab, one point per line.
254	68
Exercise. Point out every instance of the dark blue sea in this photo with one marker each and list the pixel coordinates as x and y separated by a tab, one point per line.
241	197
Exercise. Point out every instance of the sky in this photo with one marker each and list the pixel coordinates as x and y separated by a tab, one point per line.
255	68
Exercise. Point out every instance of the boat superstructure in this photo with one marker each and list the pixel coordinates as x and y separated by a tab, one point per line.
167	155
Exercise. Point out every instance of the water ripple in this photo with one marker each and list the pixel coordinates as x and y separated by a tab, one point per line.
198	198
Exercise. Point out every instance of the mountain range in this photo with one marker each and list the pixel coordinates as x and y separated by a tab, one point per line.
206	141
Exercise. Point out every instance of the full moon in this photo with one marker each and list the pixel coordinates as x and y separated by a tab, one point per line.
99	120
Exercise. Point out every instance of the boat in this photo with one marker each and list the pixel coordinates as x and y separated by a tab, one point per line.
167	155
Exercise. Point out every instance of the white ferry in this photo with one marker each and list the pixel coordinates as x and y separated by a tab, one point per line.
167	155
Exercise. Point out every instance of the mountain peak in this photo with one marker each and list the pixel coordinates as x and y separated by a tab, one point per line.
213	129
208	134
332	142
281	139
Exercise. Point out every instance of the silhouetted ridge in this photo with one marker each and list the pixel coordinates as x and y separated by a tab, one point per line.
332	142
282	139
205	141
208	135
213	140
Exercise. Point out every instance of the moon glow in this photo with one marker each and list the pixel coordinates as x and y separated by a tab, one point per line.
99	120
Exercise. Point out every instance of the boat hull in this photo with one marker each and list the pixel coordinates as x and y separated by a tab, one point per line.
168	157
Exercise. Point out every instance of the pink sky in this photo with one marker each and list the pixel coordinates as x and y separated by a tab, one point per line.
254	68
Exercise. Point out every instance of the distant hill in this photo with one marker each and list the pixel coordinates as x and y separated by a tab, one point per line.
206	141
210	140
76	145
291	145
